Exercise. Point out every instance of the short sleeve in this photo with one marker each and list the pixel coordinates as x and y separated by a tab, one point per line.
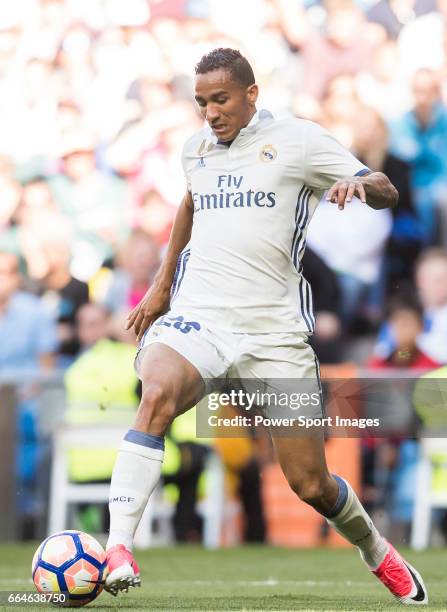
326	160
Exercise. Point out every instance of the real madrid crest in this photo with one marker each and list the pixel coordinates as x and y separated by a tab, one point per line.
268	153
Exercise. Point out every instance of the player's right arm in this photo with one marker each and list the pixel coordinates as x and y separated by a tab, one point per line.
156	300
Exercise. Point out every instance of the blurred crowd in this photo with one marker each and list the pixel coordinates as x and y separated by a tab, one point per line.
96	101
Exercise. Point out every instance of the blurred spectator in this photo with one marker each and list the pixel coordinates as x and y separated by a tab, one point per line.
404	244
45	240
137	262
338	237
389	466
68	117
405	321
346	47
102	377
73	59
38	217
382	85
10	193
326	302
431	283
147	151
339	108
29	99
393	15
62	293
293	20
92	325
93	200
27	332
37	202
420	137
421	42
151	109
27	344
155	217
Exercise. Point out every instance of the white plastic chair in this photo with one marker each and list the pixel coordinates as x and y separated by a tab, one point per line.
63	492
426	498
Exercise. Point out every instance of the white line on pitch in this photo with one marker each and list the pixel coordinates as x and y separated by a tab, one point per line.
268	582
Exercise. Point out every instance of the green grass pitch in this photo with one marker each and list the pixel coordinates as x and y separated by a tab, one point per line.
248	578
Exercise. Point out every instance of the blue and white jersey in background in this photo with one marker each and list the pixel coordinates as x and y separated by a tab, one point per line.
253	202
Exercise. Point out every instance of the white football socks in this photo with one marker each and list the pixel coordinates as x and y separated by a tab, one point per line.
350	519
135	475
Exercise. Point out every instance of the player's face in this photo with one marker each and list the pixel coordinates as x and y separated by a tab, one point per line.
224	103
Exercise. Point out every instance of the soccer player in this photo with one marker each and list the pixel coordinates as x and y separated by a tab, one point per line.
241	307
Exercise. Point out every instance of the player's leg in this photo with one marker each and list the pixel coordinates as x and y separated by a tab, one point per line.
304	465
282	360
175	359
303	462
171	385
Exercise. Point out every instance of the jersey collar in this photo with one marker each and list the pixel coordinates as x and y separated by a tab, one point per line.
258	119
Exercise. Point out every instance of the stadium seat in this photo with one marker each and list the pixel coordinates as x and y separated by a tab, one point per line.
431	487
63	492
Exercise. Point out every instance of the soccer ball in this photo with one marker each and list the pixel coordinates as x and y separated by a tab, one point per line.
70	562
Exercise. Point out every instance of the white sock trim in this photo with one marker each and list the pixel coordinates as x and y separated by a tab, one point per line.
144	451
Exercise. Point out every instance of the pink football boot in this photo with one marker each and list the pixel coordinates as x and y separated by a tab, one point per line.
399	577
123	570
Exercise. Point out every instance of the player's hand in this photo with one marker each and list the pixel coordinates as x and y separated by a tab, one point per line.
342	192
154	304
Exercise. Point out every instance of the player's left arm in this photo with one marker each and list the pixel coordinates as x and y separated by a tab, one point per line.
373	188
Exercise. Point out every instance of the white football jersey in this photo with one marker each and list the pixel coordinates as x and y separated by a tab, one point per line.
253	202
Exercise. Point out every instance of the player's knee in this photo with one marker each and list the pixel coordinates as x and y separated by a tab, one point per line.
157	408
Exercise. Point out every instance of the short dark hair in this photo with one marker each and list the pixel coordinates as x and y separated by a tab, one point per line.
229	59
405	300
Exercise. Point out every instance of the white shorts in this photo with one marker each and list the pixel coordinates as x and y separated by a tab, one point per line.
220	355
